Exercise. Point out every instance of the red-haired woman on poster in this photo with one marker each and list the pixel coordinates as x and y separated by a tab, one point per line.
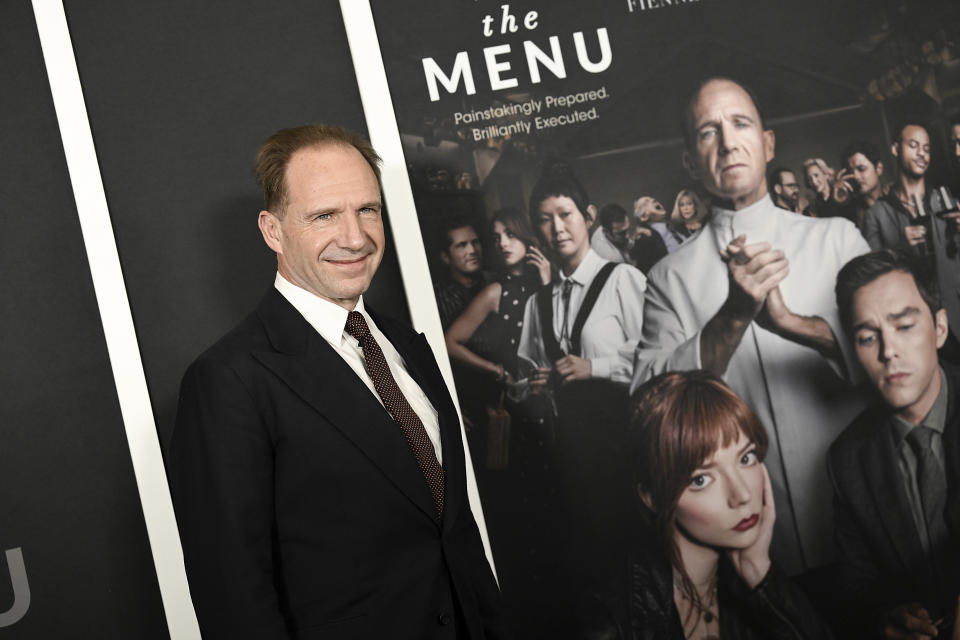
699	566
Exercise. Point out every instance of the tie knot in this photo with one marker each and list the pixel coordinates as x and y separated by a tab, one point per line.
567	288
357	326
920	438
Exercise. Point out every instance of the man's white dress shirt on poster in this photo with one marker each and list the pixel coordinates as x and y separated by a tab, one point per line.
801	397
330	321
610	334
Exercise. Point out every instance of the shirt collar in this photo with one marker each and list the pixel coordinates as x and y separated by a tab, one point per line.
755	221
586	270
328	318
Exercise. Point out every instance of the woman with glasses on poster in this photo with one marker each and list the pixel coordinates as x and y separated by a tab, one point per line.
577	348
699	564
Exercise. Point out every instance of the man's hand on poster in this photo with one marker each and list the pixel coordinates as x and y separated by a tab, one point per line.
539	379
953	221
915	234
572	368
754	270
843	186
775	315
540	261
909	622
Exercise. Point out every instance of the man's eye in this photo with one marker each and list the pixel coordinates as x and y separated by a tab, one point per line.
323	216
707	133
905	327
865	340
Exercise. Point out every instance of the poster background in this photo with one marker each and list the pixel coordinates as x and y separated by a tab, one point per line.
826	73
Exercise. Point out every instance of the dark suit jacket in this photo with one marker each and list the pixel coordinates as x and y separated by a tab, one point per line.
881	561
302	510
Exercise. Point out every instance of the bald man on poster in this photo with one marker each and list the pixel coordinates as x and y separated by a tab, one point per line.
750	298
316	464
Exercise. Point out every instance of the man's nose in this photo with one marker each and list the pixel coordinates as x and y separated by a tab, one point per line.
350	234
728	137
889	347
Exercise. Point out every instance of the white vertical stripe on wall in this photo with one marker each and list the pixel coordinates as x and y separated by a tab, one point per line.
115	315
411	253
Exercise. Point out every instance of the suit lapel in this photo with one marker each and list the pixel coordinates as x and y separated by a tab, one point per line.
418	356
307	364
878	459
951	449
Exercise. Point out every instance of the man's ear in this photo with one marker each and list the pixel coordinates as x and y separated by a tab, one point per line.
271	230
895	150
769	144
590	214
941	326
445	256
778	189
690	166
880	168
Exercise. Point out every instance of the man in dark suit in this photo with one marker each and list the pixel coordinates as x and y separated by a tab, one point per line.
316	464
896	468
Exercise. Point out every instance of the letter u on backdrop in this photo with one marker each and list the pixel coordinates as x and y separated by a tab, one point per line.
21	589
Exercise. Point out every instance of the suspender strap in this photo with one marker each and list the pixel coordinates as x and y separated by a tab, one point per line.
545	310
589	301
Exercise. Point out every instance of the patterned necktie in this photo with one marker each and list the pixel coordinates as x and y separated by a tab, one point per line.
932	483
398	407
565	325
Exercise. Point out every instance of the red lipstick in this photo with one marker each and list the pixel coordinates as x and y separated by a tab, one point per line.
748	523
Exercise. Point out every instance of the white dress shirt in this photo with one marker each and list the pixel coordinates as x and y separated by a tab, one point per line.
330	321
797	393
611	332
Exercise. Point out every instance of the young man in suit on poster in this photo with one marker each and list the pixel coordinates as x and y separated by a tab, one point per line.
316	464
895	468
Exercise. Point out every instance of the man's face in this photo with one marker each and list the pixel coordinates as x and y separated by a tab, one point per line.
330	239
789	189
620	233
955	141
896	340
464	254
730	149
865	173
913	150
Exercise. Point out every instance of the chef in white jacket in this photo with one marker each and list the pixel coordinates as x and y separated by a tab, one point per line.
751	298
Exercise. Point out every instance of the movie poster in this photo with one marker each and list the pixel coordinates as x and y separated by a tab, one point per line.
495	99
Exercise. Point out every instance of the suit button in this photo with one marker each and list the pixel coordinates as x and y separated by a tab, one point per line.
444	619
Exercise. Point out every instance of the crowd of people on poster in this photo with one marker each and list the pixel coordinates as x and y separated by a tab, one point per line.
569	321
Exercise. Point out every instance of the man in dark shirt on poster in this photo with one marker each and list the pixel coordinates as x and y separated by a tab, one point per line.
316	464
785	190
909	216
462	254
894	469
860	181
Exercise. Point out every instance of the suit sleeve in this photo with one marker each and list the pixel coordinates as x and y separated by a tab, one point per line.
857	575
220	466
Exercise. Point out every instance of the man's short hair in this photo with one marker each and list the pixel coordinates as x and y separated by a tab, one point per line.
454	220
869	150
776	177
274	155
909	121
864	269
686	122
612	214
